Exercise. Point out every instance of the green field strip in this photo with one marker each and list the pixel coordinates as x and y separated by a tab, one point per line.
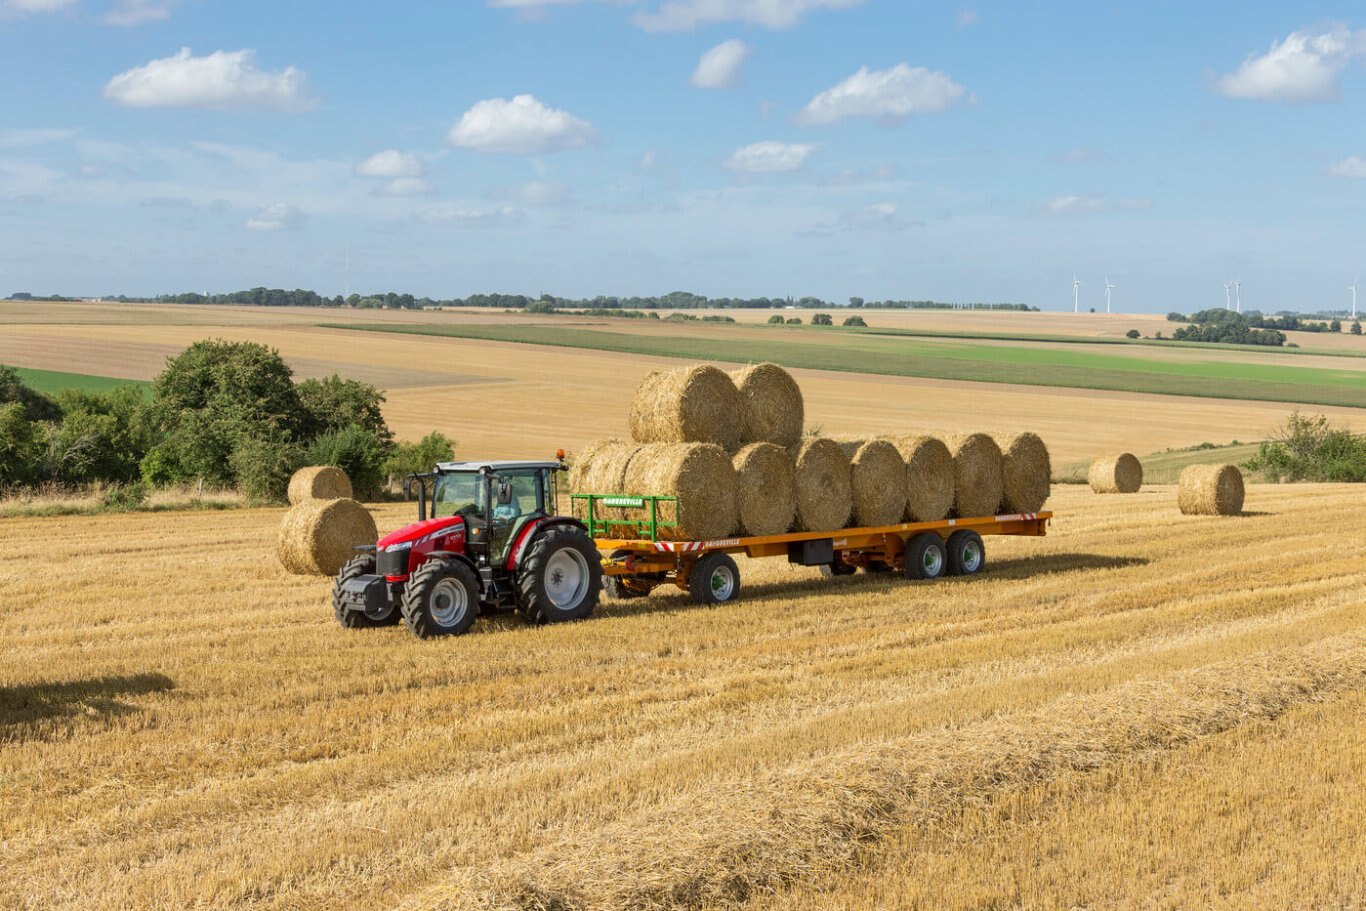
54	381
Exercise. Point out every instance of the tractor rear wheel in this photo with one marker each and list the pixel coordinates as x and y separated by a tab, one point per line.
440	599
560	577
362	565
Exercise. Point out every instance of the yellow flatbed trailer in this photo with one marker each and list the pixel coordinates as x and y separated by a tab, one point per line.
638	557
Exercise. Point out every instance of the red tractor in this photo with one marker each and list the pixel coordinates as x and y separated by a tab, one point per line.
493	542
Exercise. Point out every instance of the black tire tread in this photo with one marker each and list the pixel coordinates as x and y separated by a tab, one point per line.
359	565
413	605
530	602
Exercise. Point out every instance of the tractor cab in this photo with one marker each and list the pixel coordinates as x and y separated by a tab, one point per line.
496	500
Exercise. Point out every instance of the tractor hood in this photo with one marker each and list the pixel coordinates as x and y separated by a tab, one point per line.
421	531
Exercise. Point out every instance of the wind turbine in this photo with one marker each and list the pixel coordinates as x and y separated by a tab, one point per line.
1228	301
1238	294
1108	288
1076	305
1353	289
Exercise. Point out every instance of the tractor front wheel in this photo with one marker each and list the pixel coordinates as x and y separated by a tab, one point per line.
441	599
560	577
362	565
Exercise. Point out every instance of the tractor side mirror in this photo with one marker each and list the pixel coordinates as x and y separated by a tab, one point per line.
504	493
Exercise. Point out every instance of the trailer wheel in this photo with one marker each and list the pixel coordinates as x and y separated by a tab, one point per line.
967	554
715	579
561	576
362	565
440	599
624	587
926	557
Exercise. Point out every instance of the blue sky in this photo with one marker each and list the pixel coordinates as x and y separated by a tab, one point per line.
961	152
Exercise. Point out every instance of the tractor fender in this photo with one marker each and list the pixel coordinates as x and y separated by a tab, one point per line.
534	528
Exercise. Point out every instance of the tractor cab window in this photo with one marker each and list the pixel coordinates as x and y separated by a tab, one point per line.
457	491
524	494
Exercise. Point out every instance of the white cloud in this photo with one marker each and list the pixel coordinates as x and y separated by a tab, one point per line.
1077	156
471	218
719	67
853	177
683	15
769	157
891	95
22	138
276	217
390	163
521	126
406	186
38	6
536	193
880	216
1302	68
136	12
1092	205
223	79
647	161
1355	166
966	18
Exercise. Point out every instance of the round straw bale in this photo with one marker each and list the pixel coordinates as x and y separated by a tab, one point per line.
318	482
1026	472
1211	490
1118	473
877	481
318	537
977	482
821	472
697	404
765	493
929	477
599	467
771	409
700	475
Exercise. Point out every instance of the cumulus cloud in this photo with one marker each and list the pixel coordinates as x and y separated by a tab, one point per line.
221	80
1355	166
890	95
769	157
390	163
1092	205
683	15
520	126
471	218
719	67
136	12
880	216
276	217
1302	68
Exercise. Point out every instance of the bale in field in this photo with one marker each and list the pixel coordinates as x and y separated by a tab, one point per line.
877	480
700	475
318	537
766	495
821	472
977	480
771	409
697	404
1211	490
1119	473
1026	473
318	482
929	477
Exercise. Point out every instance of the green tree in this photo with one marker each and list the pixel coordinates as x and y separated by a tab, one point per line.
1335	326
261	467
794	321
37	406
422	456
355	451
822	319
1133	333
21	446
1356	327
333	403
775	320
856	321
856	302
101	437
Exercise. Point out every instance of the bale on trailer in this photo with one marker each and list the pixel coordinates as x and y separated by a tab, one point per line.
977	481
1211	490
771	409
766	495
700	475
318	537
1026	473
599	467
877	480
697	404
1119	473
821	472
318	482
929	477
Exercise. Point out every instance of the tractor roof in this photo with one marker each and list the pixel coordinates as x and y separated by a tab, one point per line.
494	465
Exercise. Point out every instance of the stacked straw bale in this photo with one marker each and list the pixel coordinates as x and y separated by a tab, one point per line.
929	477
697	404
771	406
700	475
877	481
600	467
821	472
1026	473
1211	490
1118	473
318	482
318	537
978	485
766	495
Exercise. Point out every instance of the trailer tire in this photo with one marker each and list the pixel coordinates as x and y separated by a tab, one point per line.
362	565
714	579
440	599
926	557
622	588
967	554
560	577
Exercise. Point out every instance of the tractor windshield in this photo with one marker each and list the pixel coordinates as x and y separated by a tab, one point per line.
456	491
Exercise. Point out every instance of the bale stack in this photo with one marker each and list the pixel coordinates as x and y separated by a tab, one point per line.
700	475
978	484
1026	473
600	467
766	495
877	481
697	404
318	537
929	477
821	473
1211	490
1118	473
771	406
318	482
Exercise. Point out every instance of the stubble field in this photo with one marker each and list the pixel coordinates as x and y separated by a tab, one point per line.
1141	710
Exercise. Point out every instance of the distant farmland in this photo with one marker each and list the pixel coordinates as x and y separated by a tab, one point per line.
54	381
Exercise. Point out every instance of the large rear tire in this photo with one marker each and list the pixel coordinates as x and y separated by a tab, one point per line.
560	577
441	599
362	565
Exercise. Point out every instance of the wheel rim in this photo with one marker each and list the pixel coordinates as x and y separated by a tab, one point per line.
566	578
449	602
932	561
722	583
972	556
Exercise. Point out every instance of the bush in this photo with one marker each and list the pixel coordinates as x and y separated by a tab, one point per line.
822	319
101	437
855	321
419	457
794	321
21	446
1356	327
262	466
775	320
1133	333
355	451
1309	448
1175	317
126	497
333	403
36	406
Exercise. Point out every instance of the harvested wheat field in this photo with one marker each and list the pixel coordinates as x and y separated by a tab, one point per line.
1140	710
